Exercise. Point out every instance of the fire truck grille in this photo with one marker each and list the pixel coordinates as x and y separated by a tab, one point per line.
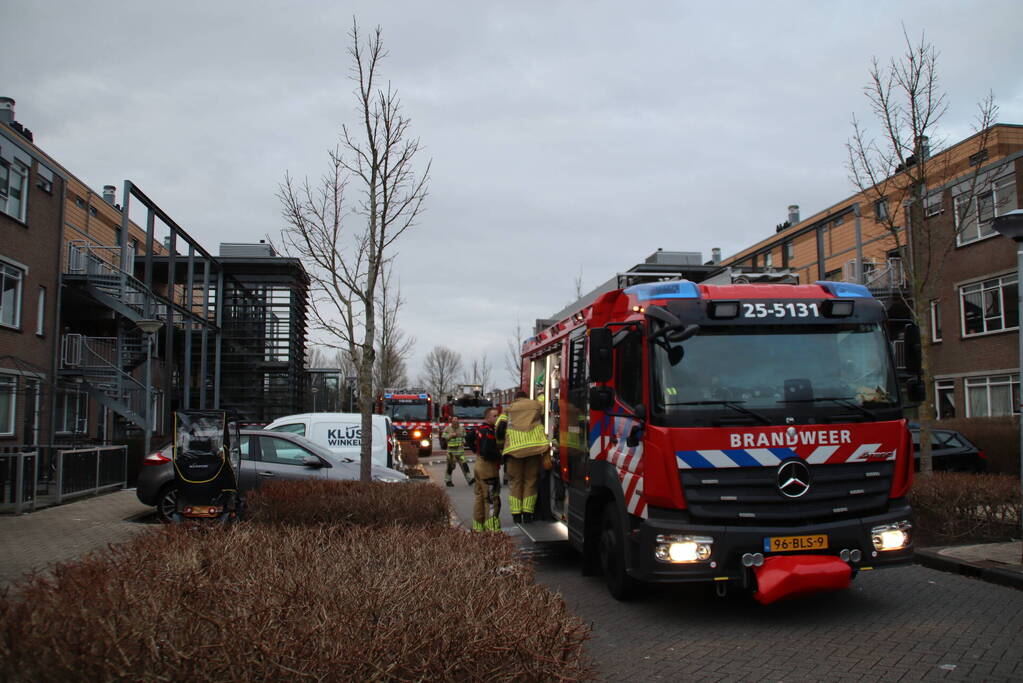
750	496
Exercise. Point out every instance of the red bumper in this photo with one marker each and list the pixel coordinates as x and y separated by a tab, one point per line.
786	576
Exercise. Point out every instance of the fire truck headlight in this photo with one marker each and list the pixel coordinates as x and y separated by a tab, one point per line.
425	443
416	434
891	536
682	549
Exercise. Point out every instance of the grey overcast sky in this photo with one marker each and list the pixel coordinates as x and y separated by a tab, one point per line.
567	138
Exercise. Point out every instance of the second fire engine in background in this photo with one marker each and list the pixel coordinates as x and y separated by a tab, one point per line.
411	412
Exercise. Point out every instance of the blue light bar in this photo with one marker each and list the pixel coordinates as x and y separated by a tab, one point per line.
388	395
679	289
845	290
422	395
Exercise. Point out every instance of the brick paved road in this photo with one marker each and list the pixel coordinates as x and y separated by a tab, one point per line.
909	623
38	539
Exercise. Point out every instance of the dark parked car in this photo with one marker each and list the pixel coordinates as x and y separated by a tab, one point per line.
950	451
278	456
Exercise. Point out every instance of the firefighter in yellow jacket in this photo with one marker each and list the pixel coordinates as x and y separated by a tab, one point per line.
524	445
454	434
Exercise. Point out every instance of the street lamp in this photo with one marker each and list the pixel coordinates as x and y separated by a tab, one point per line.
149	328
1011	225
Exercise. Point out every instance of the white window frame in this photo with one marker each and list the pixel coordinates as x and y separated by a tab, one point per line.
6	266
933	204
881	209
790	251
935	321
41	312
939	385
1003	199
9	383
768	260
76	423
14	169
983	285
985	383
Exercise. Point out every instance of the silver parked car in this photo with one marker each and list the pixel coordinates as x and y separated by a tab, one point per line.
266	456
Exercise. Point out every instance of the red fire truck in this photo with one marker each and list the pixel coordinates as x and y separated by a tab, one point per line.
748	435
469	406
411	413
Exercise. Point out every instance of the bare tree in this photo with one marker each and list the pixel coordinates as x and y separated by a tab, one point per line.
345	262
479	373
441	369
395	346
895	173
513	353
578	283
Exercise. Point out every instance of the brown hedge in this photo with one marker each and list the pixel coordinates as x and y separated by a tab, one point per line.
960	507
998	437
315	502
269	603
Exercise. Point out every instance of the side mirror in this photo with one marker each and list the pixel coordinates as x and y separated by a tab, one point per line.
600	354
911	349
916	392
601	398
684	333
312	461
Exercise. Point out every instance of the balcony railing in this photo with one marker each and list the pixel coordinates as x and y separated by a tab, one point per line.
879	275
101	265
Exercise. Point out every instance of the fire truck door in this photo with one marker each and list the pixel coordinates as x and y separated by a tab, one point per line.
575	420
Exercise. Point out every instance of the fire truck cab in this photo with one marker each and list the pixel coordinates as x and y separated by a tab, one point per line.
748	435
469	407
411	413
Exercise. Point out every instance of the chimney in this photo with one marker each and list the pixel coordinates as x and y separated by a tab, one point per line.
925	147
793	214
715	255
6	110
109	194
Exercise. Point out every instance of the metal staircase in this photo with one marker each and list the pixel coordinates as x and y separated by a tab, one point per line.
98	364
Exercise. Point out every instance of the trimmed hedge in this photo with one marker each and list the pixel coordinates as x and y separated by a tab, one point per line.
282	598
998	437
313	502
959	507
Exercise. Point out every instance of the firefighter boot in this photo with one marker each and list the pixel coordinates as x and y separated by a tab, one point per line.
517	517
527	517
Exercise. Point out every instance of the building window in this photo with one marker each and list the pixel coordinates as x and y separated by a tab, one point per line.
768	260
44	179
932	204
10	295
992	396
13	189
72	411
973	215
935	320
790	251
881	209
945	399
7	403
833	275
41	312
990	306
79	202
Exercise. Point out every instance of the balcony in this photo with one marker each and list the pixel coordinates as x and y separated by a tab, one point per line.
98	269
884	278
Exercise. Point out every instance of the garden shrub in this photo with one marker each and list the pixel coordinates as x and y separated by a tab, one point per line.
959	507
998	437
260	602
315	502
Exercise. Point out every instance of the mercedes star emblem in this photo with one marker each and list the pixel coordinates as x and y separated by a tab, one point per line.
793	478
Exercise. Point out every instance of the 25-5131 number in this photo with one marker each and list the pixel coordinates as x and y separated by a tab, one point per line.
792	309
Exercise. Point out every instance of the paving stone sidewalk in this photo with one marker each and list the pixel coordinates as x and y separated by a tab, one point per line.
36	540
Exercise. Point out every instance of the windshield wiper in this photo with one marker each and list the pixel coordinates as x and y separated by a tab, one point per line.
734	405
846	401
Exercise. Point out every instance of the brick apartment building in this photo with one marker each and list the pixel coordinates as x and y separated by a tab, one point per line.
974	322
80	282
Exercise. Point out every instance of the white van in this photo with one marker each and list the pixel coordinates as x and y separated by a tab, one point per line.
341	433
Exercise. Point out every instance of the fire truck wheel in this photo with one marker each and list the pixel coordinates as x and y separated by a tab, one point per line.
612	557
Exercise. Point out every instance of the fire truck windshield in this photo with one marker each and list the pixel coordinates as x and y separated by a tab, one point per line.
407	411
776	367
469	412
